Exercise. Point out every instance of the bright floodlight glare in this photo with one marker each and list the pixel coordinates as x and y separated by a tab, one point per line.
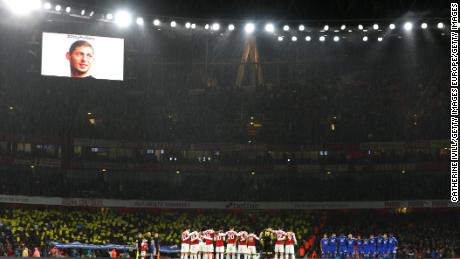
187	25
173	24
58	8
206	27
308	38
67	9
440	25
47	6
379	39
294	38
215	27
109	16
375	26
231	27
286	28
408	26
336	38
365	38
360	27
326	27
123	18
269	27
22	7
322	38
140	21
156	22
83	12
249	28
91	14
301	27
392	26
424	25
280	38
343	27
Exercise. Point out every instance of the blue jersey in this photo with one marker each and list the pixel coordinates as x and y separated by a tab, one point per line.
372	242
332	245
342	243
351	245
385	246
324	245
366	246
360	245
392	244
380	245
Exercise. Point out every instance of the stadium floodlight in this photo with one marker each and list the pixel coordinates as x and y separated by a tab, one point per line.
123	18
109	16
301	27
286	28
336	38
156	22
231	27
215	27
322	38
83	12
424	25
206	27
392	26
58	8
343	27
269	27
140	21
308	38
280	38
68	9
91	13
47	5
294	38
187	25
365	38
408	26
440	25
326	27
193	26
173	24
380	39
360	27
22	7
375	26
249	28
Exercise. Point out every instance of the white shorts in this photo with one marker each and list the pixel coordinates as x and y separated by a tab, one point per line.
202	247
279	248
210	248
242	249
231	248
252	250
194	249
220	249
289	249
185	248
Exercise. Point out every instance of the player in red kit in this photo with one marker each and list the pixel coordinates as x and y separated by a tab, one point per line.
185	247
219	238
231	242
252	251
290	242
208	237
194	244
279	245
242	244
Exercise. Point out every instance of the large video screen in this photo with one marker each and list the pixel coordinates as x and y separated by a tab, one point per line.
81	56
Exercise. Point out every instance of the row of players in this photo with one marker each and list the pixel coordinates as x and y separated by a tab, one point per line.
382	246
238	243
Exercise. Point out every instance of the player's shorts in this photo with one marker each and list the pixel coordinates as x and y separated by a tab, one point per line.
289	249
380	252
202	247
279	248
242	249
185	248
231	248
209	248
220	249
194	249
252	250
143	253
351	251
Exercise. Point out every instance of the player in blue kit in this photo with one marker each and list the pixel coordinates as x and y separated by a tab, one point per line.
392	246
351	246
380	251
342	240
366	248
324	246
359	247
332	245
386	250
372	246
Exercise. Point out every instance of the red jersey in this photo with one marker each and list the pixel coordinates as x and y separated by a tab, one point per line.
219	237
243	238
252	239
231	237
208	236
185	237
195	238
280	237
290	238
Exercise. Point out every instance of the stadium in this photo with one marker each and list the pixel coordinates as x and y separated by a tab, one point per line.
229	129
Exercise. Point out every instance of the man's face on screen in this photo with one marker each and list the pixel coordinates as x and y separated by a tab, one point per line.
81	60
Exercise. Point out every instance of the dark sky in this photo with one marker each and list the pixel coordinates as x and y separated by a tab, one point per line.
278	9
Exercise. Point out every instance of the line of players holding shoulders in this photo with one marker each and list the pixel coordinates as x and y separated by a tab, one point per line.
381	246
237	244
